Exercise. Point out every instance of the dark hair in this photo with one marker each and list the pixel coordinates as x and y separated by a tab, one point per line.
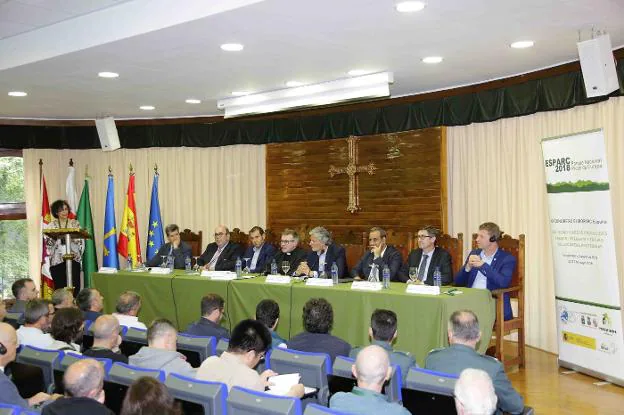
431	231
171	228
35	309
256	228
383	324
127	301
67	325
318	316
84	298
291	232
210	303
267	312
19	285
464	325
147	396
158	328
57	206
249	335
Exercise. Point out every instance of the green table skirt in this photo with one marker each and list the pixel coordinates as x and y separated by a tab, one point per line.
422	319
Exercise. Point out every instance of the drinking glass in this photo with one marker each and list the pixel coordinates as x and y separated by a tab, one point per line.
246	265
164	261
285	267
196	267
413	274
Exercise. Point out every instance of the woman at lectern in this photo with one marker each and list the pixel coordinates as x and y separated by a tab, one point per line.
56	247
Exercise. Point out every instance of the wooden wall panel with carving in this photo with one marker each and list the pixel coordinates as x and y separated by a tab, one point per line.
405	192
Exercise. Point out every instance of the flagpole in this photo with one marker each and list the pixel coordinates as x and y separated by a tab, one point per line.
41	291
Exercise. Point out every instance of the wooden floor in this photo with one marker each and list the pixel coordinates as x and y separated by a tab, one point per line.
549	391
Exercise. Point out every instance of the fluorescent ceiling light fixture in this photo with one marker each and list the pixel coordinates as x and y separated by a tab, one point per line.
432	59
522	44
240	93
147	107
292	84
359	72
108	74
409	6
193	101
370	86
232	47
17	94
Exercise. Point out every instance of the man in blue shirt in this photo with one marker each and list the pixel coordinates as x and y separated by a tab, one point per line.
259	253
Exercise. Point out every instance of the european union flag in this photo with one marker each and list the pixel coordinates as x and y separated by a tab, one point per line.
155	238
110	258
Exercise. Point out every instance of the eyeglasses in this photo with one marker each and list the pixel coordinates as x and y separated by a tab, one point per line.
424	236
287	242
216	235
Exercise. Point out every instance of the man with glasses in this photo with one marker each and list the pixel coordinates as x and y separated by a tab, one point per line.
175	247
220	255
378	256
290	253
37	319
427	258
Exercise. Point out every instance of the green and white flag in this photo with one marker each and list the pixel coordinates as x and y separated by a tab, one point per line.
89	258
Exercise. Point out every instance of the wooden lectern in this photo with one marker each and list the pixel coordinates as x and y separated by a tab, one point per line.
68	234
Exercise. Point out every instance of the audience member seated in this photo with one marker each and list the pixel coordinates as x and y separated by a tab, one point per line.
474	393
83	381
23	290
289	252
488	267
259	253
8	391
324	254
147	396
63	298
37	321
427	258
128	307
318	319
463	335
383	332
176	248
268	312
372	369
235	367
379	255
67	329
160	353
91	302
220	255
106	339
212	306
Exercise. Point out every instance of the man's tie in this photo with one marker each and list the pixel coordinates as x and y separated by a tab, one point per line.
421	268
215	257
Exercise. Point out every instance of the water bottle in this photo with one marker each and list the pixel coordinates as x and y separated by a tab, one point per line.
334	273
170	262
129	263
437	277
187	264
239	268
386	277
273	268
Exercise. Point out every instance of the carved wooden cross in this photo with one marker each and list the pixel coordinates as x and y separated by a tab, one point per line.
352	170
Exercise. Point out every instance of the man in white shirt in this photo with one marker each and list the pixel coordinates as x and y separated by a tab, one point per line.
128	307
37	322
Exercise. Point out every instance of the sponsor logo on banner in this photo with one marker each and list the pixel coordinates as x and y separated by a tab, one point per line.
609	348
579	340
607	325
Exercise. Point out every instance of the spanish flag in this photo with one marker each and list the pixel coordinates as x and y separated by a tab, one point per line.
47	283
129	245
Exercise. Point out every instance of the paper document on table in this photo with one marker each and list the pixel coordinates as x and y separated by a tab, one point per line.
366	286
281	384
277	279
159	270
219	275
320	282
422	289
107	270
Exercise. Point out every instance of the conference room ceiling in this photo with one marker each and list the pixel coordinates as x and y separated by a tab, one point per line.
168	51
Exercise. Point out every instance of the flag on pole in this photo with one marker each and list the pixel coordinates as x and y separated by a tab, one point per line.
47	283
129	244
89	258
109	257
70	190
155	238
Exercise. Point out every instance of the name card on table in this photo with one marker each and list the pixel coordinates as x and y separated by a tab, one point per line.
422	289
160	271
107	270
366	286
219	275
277	279
319	282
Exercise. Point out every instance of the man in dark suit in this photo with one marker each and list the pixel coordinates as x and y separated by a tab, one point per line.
175	247
427	258
488	267
380	255
212	306
221	255
289	252
258	253
324	253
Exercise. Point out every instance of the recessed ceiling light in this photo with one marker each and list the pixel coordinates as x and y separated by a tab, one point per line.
359	72
432	59
147	107
409	6
292	84
522	44
17	94
232	47
108	74
193	101
240	93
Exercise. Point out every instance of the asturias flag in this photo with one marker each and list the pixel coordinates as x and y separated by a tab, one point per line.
155	237
129	244
109	258
89	257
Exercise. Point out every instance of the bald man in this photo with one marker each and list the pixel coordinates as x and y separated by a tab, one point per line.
106	339
8	391
84	382
221	254
371	369
474	393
